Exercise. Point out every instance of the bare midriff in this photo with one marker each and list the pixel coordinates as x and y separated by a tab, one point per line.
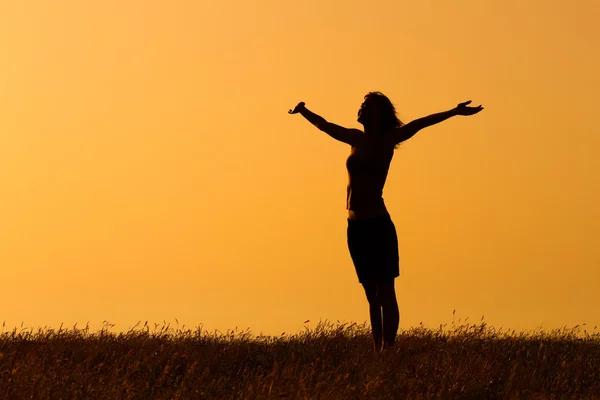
367	166
367	213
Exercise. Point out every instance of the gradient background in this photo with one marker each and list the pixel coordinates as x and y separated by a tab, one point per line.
149	169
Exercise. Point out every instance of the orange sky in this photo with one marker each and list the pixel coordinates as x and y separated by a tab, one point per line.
149	169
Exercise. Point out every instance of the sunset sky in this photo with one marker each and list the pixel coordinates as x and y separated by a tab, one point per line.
149	170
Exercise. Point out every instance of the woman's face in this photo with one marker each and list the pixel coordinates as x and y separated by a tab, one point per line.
369	113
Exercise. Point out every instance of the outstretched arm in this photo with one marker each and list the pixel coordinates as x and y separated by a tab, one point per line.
410	129
337	132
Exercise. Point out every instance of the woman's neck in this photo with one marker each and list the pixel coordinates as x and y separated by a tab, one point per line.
373	129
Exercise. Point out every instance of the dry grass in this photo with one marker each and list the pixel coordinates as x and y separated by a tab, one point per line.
329	362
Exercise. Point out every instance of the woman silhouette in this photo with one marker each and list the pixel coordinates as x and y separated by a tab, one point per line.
372	239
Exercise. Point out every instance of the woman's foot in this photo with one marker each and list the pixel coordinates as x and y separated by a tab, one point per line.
377	346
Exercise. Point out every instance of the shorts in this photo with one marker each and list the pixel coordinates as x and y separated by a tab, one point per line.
373	246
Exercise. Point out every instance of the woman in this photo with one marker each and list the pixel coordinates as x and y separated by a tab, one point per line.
372	239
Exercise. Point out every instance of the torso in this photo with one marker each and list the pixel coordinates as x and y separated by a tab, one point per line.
367	166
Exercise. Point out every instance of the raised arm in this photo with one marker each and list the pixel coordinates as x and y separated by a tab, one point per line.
346	135
409	130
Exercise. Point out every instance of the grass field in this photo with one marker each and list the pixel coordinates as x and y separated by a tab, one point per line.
332	361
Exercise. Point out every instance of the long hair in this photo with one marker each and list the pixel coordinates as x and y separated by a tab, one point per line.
389	117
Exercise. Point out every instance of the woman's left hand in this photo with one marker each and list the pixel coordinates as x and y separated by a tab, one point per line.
462	109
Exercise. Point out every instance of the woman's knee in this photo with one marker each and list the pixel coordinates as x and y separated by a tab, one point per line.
372	295
386	293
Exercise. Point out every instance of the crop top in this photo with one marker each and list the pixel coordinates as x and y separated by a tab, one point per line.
367	166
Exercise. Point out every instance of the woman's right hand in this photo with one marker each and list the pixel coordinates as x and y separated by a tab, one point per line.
297	109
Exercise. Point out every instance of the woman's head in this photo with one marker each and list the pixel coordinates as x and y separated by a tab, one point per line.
378	113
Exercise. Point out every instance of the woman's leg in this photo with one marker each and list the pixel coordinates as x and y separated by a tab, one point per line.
375	314
391	315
